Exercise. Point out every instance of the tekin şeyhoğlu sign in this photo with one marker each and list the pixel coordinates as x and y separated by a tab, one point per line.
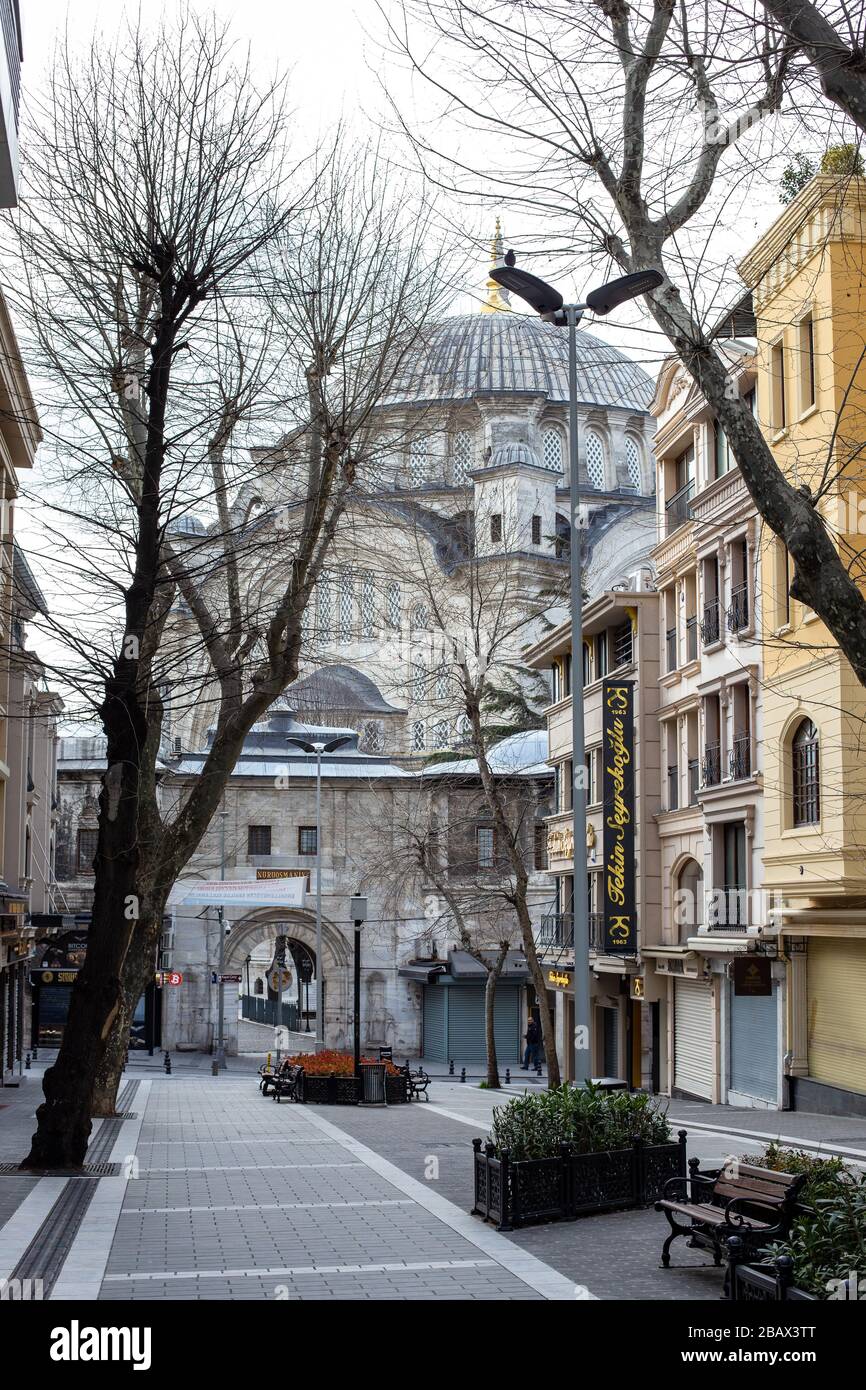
618	887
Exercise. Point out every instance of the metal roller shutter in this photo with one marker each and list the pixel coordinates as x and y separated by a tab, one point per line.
754	1045
466	1023
434	1023
836	983
693	1038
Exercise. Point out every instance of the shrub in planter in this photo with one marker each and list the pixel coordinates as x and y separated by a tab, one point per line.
827	1241
334	1063
588	1119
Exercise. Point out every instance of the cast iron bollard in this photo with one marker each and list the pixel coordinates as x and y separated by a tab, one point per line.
27	1062
508	1076
166	1062
35	1054
451	1068
463	1074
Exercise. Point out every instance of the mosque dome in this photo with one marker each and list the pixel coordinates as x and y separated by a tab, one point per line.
515	354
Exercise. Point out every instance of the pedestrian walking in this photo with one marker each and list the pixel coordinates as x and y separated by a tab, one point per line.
533	1042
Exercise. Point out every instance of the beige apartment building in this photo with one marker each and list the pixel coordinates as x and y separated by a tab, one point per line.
724	1027
621	640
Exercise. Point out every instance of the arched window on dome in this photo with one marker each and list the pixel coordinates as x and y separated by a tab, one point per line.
464	728
325	614
464	457
419	682
419	738
440	733
551	449
368	604
392	605
420	618
418	460
632	461
594	452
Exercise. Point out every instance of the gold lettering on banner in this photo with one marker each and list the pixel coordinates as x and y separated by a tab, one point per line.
619	817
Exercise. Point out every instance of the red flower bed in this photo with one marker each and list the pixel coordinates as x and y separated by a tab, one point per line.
333	1063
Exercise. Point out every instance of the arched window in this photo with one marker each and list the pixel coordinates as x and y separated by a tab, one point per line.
418	737
689	898
368	604
594	450
464	728
806	774
440	733
443	681
373	739
551	450
418	460
392	605
632	461
464	452
325	606
258	987
419	682
344	627
420	617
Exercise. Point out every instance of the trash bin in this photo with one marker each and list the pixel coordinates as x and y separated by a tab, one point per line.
373	1083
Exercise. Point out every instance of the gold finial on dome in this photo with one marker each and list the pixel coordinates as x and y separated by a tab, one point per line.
497	297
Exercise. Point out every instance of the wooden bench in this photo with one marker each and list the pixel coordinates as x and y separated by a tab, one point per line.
739	1199
288	1082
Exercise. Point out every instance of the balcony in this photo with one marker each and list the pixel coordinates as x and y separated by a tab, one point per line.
710	626
740	757
671	645
711	771
738	611
556	932
728	909
623	649
679	510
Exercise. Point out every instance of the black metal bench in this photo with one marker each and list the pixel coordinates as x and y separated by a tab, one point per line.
416	1082
739	1199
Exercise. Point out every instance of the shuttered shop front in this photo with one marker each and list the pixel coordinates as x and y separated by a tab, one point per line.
454	1023
754	1045
836	984
694	1067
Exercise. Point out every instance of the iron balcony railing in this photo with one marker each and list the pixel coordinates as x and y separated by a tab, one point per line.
555	935
623	648
727	909
671	640
710	627
738	610
711	773
678	510
740	757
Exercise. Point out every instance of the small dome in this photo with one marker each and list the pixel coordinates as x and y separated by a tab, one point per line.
514	453
478	354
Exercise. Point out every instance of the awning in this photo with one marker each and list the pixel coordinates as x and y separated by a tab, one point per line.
424	974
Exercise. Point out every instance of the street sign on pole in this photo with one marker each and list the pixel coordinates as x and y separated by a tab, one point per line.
230	979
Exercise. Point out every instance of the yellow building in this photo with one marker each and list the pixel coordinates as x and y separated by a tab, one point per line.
808	277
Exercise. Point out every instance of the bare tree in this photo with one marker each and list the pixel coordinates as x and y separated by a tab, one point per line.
628	128
185	284
430	855
481	616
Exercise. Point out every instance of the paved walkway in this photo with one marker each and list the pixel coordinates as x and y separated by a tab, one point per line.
219	1193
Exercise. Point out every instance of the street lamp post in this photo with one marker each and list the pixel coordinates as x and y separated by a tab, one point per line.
220	1063
309	746
549	303
358	909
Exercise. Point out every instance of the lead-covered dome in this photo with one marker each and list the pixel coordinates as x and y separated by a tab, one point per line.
476	354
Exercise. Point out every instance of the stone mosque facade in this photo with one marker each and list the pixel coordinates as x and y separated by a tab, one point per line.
468	458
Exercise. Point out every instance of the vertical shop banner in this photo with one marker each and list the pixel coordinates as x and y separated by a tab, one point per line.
618	878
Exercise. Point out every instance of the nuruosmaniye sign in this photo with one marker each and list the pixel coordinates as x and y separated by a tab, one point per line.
618	877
